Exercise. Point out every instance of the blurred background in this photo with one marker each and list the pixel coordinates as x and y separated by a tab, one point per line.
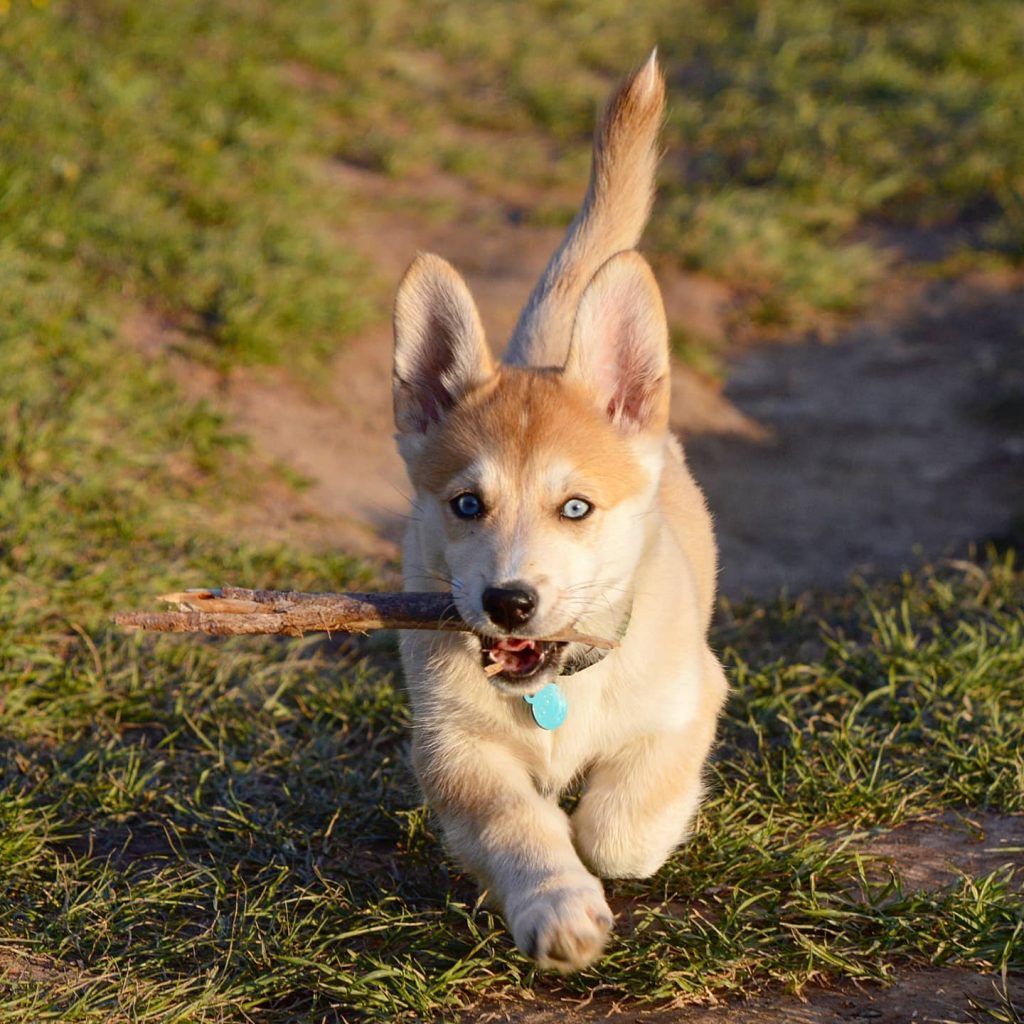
205	208
198	192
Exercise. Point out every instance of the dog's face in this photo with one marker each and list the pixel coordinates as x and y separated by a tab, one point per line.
532	485
532	506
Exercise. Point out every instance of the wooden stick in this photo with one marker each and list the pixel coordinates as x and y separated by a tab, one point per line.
235	611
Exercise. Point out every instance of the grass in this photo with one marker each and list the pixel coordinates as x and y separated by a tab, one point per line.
175	154
228	831
157	155
201	831
793	127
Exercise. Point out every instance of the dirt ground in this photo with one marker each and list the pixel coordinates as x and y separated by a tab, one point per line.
927	855
900	438
340	440
922	997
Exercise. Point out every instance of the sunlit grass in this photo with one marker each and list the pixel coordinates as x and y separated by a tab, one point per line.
167	151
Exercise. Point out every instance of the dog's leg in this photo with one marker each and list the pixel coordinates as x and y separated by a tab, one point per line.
519	846
639	802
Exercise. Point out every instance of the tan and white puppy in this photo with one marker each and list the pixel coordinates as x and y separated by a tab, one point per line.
550	494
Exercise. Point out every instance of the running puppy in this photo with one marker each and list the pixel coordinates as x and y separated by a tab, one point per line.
550	494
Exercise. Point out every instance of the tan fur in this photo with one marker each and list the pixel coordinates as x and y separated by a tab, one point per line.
433	303
523	419
611	219
524	439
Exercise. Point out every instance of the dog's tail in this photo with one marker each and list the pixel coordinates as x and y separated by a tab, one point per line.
612	218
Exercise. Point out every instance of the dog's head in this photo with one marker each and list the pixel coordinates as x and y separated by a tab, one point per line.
532	485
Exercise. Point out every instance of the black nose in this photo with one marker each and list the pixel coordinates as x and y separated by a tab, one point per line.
510	606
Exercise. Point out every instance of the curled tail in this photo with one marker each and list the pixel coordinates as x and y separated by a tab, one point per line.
612	218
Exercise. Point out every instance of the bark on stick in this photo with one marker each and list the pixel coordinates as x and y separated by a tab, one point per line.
236	611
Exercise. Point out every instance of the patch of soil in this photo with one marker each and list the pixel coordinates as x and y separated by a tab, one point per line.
928	855
946	996
329	445
20	967
888	445
145	847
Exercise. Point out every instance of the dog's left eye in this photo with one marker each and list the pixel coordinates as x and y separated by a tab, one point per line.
576	508
467	506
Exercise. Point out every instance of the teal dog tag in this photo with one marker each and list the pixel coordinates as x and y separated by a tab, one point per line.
549	706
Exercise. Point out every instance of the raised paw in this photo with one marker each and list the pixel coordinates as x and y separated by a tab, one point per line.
564	928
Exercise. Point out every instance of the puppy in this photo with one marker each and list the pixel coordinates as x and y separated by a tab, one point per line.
549	496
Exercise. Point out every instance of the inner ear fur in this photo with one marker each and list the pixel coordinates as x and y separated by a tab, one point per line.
440	349
619	348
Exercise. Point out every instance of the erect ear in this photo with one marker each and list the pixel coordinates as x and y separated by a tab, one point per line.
619	347
440	350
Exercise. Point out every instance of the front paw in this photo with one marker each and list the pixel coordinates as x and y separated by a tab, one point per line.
563	926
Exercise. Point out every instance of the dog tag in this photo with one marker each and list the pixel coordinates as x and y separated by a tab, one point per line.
549	706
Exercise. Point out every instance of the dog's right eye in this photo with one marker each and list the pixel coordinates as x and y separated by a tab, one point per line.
467	506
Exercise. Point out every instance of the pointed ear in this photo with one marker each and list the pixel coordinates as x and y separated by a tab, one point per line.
440	350
619	346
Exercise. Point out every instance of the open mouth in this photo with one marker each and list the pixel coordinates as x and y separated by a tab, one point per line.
517	659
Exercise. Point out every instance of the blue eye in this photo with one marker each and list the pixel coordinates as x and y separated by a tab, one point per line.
576	508
467	506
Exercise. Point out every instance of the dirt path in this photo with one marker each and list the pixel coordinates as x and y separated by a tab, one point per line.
341	440
919	997
901	440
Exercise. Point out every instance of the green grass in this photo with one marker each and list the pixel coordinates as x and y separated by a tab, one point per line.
156	154
176	154
792	125
216	831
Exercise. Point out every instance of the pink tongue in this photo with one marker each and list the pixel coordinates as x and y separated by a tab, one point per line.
513	645
514	655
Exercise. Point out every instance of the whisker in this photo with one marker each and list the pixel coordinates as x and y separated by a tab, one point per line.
437	577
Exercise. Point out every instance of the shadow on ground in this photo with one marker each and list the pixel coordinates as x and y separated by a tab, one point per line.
901	440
